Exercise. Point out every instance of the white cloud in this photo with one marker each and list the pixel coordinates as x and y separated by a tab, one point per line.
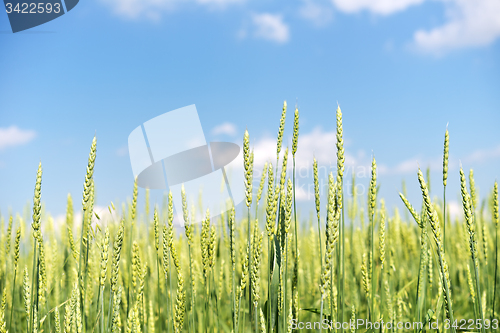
270	27
471	24
105	214
321	145
411	165
383	7
122	151
483	155
317	144
302	195
408	166
153	9
14	136
220	3
225	128
264	151
454	209
318	14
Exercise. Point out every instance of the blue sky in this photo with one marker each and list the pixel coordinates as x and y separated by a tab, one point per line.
400	70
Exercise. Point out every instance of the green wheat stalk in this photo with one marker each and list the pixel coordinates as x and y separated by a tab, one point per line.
86	216
371	210
446	154
133	210
341	245
469	219
102	280
115	267
496	220
270	220
317	202
332	234
248	165
189	235
436	230
156	226
16	261
37	207
295	141
232	253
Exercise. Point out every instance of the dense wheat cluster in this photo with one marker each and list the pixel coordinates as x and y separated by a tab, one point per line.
262	267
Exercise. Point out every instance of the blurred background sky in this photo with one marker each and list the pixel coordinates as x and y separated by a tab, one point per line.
399	69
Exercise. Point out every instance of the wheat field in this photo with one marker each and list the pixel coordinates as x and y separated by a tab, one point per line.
351	265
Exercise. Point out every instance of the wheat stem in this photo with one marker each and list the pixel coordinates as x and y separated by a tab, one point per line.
318	208
436	229
36	231
445	178
294	151
496	220
373	200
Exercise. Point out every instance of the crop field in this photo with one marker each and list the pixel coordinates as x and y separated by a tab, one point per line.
351	265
